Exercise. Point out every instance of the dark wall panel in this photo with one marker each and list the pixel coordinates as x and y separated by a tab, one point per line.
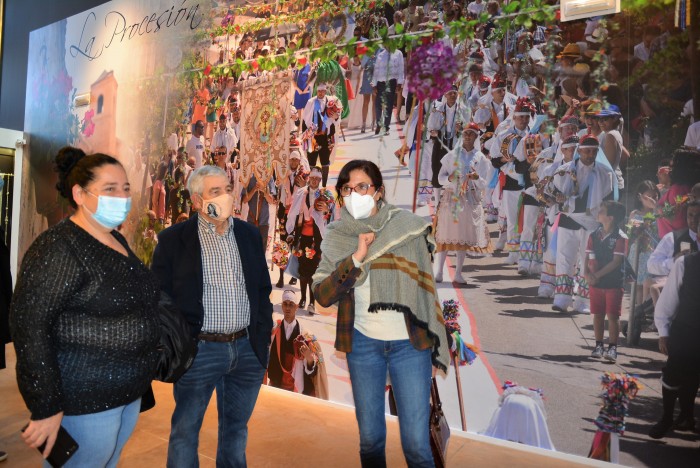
22	17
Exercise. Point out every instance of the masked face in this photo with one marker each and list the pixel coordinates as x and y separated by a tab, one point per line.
219	208
111	211
216	201
359	206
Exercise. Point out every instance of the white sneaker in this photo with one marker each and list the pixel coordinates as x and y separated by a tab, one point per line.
438	278
610	354
598	351
311	309
523	272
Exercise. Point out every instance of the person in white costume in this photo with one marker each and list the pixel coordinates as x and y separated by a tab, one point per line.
461	223
582	185
512	183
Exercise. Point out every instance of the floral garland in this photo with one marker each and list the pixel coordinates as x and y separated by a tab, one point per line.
618	390
280	254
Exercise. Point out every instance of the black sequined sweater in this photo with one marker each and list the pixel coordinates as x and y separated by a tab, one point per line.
84	322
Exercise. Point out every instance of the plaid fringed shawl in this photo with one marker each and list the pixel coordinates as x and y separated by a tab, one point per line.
401	280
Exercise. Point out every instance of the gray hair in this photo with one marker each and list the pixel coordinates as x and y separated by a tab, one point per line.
195	183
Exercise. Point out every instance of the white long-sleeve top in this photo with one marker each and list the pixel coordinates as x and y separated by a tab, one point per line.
667	305
388	66
384	325
226	137
661	259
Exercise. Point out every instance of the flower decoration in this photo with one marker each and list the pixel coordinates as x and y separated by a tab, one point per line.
464	353
280	254
310	252
510	384
87	126
618	390
669	211
432	69
298	253
450	312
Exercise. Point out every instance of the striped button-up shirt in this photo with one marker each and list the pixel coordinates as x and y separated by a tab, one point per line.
225	300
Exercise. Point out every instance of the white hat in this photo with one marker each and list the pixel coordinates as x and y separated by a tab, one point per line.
289	295
295	154
315	169
321	87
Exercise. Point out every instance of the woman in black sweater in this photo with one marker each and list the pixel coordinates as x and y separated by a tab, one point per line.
84	318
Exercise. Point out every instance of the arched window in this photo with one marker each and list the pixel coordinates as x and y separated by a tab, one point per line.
100	103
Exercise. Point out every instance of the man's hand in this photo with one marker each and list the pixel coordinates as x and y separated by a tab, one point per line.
307	353
43	430
363	242
663	345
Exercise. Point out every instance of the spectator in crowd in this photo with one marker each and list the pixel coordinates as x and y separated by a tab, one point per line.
604	272
677	319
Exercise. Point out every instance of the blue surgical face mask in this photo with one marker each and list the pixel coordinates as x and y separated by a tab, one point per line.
111	211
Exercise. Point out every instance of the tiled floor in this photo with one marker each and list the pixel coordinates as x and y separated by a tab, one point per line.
285	430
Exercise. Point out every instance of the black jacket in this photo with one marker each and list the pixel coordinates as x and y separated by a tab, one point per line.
177	261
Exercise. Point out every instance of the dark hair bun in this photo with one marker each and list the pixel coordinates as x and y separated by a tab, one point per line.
66	159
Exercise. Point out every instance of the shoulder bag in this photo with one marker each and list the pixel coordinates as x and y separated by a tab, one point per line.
439	429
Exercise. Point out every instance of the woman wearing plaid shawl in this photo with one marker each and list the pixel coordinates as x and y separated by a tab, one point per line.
376	264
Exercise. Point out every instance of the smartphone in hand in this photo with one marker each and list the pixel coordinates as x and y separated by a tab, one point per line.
63	449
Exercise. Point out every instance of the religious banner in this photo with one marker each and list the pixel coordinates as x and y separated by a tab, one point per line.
265	113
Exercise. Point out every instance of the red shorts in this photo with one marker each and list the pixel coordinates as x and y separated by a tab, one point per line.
606	301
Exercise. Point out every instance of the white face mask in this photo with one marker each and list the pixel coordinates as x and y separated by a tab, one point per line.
218	208
359	206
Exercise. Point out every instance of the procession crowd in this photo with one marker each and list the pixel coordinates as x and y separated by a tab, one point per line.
533	146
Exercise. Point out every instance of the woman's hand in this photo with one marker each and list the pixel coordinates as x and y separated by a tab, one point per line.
363	242
43	430
663	345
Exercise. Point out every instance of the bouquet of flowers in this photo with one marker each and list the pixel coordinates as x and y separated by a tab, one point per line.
280	254
309	252
432	68
639	229
324	197
311	342
669	210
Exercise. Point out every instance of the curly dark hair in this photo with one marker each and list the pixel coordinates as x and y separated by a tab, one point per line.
76	167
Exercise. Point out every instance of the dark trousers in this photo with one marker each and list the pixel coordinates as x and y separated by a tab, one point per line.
386	98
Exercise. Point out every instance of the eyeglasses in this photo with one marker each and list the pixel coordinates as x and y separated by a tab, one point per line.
220	153
361	189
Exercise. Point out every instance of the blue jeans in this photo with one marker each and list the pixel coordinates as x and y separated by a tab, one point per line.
410	372
235	372
101	436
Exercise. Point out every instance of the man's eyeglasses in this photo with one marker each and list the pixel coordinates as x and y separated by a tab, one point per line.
361	189
220	153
